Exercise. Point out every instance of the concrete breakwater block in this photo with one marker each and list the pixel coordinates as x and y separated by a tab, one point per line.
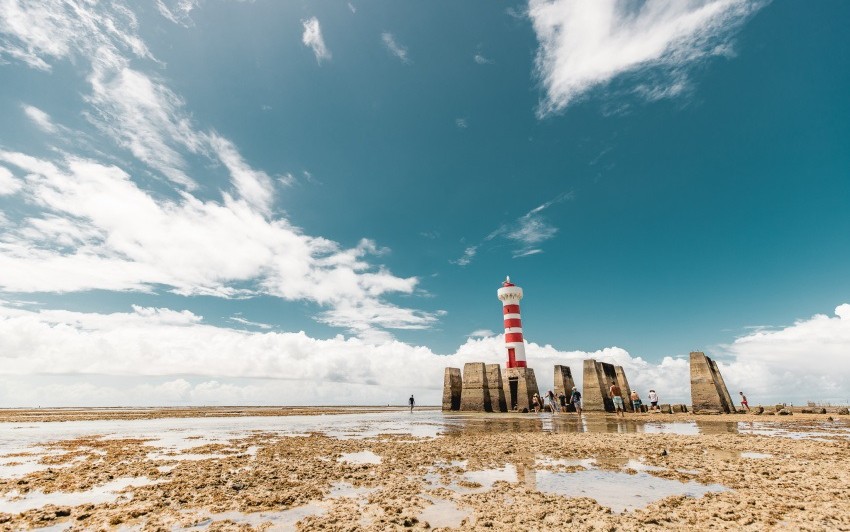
475	393
497	391
708	389
452	386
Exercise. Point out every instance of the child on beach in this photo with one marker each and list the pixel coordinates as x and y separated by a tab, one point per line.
535	402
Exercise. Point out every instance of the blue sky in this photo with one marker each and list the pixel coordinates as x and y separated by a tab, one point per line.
323	183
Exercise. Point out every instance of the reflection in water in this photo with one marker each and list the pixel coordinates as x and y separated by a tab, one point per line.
570	423
616	490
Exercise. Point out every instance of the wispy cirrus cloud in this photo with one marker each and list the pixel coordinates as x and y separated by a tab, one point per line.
91	225
584	45
395	48
526	234
239	319
312	38
39	118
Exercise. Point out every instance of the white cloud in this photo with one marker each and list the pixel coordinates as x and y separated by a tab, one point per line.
481	333
254	186
38	32
313	39
394	47
179	10
584	45
466	258
96	229
526	233
461	123
352	8
243	321
39	118
156	344
482	60
9	184
143	116
805	361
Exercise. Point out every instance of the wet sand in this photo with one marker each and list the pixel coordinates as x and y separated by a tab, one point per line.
374	470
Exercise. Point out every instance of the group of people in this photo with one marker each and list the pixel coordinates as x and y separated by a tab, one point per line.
561	402
557	404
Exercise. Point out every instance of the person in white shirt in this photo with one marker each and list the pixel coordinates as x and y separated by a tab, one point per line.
653	400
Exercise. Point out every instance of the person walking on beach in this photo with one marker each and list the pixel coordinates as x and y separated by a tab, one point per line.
412	403
653	400
553	405
562	401
535	402
616	396
575	399
636	402
744	402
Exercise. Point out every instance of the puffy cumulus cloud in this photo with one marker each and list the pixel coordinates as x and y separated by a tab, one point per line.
165	345
63	357
805	361
587	44
313	39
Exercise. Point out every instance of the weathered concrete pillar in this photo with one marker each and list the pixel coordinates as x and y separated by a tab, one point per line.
593	395
624	387
475	395
708	391
494	384
519	385
721	386
563	381
597	379
452	386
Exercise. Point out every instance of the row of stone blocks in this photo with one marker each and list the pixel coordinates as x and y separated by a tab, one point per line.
482	388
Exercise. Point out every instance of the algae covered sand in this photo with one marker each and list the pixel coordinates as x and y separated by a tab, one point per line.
366	469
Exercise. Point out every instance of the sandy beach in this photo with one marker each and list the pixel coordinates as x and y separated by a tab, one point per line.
379	469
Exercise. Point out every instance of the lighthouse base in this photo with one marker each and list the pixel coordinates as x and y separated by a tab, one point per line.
520	385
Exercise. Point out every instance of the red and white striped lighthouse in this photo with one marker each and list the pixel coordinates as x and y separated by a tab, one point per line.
510	295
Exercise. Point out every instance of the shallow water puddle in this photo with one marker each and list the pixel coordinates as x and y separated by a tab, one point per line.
442	513
14	503
363	457
756	455
283	520
616	490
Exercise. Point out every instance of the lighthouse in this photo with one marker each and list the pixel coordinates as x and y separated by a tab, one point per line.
510	296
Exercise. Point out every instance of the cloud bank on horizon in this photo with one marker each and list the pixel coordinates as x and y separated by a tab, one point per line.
293	368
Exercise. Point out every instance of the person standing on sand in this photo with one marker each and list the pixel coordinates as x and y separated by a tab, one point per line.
616	396
653	400
744	402
636	402
575	399
562	400
535	402
412	403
